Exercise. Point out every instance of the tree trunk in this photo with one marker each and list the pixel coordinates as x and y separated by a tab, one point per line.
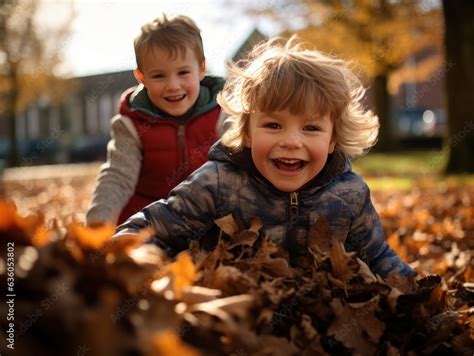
459	44
383	109
10	112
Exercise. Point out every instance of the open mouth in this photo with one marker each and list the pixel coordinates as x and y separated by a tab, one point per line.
175	98
289	164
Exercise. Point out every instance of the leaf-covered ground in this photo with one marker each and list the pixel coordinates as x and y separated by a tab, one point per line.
78	292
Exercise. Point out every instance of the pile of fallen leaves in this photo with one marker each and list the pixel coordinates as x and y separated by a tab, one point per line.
84	293
433	228
60	196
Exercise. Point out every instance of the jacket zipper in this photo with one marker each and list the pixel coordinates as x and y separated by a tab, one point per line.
292	245
181	148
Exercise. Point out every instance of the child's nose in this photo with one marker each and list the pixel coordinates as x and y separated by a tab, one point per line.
173	83
291	139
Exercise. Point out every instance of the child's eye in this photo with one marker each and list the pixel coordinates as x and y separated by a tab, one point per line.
158	76
272	125
183	72
311	128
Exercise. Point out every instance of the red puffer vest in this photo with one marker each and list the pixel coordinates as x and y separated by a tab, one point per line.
171	151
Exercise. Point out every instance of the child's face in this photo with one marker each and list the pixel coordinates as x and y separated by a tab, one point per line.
289	150
172	84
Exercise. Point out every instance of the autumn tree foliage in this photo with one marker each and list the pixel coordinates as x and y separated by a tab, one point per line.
379	35
30	53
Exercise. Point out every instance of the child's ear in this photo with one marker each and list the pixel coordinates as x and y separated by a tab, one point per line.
202	70
332	146
138	75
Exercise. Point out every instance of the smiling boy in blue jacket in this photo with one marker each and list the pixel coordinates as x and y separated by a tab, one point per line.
295	122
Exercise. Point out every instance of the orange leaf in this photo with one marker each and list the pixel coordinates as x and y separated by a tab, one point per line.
168	343
183	272
7	215
41	237
28	230
90	238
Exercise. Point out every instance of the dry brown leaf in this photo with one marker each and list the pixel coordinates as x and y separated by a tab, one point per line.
320	237
343	264
364	271
255	225
392	298
405	284
371	324
470	322
227	224
351	322
269	262
226	310
276	291
231	281
307	328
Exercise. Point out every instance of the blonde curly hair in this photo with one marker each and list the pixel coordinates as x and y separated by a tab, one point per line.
285	75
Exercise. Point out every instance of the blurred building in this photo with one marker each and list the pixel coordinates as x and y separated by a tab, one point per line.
76	129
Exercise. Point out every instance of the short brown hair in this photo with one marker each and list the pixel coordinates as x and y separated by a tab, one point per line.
175	35
283	74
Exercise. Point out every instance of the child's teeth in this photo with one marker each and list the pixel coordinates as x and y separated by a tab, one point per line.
289	161
175	97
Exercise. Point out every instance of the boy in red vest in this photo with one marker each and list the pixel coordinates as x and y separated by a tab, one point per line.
165	125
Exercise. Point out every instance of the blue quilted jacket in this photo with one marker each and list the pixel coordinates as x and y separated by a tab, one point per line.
229	183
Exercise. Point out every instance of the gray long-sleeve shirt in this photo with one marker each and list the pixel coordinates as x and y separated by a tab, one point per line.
119	175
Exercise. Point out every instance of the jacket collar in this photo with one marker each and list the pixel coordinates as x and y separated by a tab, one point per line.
136	100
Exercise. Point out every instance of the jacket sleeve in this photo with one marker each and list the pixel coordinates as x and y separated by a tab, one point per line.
368	239
119	175
187	214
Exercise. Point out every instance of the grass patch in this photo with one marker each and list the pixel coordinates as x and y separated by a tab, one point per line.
404	170
437	183
409	163
389	183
